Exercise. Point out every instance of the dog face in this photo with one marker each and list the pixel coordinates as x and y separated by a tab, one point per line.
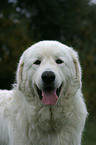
49	70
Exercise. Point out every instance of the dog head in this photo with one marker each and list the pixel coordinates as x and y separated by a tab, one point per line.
49	70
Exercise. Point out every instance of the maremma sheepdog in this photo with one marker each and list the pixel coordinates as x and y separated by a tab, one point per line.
46	105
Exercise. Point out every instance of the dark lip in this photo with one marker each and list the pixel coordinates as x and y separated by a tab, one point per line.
39	93
48	89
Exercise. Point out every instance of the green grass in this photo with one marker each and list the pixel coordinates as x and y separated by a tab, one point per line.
89	137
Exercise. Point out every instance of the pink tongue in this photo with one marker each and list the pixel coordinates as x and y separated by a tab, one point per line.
49	98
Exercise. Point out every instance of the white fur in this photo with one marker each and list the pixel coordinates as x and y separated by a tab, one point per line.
24	119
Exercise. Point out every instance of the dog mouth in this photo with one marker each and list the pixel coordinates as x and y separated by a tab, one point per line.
49	95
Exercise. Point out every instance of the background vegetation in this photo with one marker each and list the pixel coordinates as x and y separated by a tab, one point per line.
73	22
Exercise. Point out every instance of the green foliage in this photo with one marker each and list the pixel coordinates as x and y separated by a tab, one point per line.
89	137
13	41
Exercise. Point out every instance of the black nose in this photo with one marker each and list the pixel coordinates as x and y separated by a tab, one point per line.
48	77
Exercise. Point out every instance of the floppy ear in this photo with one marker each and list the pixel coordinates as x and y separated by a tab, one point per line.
76	83
77	67
19	74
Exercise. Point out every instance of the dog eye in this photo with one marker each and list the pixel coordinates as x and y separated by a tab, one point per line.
59	61
37	62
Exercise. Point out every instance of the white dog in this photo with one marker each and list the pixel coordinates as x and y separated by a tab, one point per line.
46	105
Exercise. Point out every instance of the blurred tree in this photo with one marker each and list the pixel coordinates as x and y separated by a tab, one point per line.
13	41
56	19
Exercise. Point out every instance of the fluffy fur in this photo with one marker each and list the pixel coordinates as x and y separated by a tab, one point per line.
25	119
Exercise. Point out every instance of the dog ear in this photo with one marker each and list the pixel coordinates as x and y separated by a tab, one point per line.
78	72
76	83
77	67
19	74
